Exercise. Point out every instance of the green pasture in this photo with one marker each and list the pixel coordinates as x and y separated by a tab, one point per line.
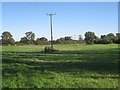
74	66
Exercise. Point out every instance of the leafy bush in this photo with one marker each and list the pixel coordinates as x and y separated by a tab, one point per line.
38	42
49	49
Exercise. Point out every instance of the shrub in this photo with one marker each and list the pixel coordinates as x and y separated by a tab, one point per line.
49	49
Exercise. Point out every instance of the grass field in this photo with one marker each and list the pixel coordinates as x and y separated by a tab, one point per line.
74	66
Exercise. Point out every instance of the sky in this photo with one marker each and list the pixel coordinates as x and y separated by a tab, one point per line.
71	19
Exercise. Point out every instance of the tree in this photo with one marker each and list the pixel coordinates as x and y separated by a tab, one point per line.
68	38
11	41
6	35
0	41
29	38
30	35
106	39
117	38
98	41
7	38
43	39
80	38
60	41
38	41
90	37
24	40
111	37
118	34
103	36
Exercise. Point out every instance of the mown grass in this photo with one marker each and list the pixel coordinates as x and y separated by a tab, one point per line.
74	66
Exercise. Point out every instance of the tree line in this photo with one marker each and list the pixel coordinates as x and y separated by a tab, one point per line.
29	39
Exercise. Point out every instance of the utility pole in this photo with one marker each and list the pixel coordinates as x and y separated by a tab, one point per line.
51	29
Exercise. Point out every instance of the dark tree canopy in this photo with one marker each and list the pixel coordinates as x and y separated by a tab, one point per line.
6	35
24	40
11	41
43	39
118	34
90	37
30	35
80	38
29	38
118	38
111	37
7	38
68	38
60	40
103	36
